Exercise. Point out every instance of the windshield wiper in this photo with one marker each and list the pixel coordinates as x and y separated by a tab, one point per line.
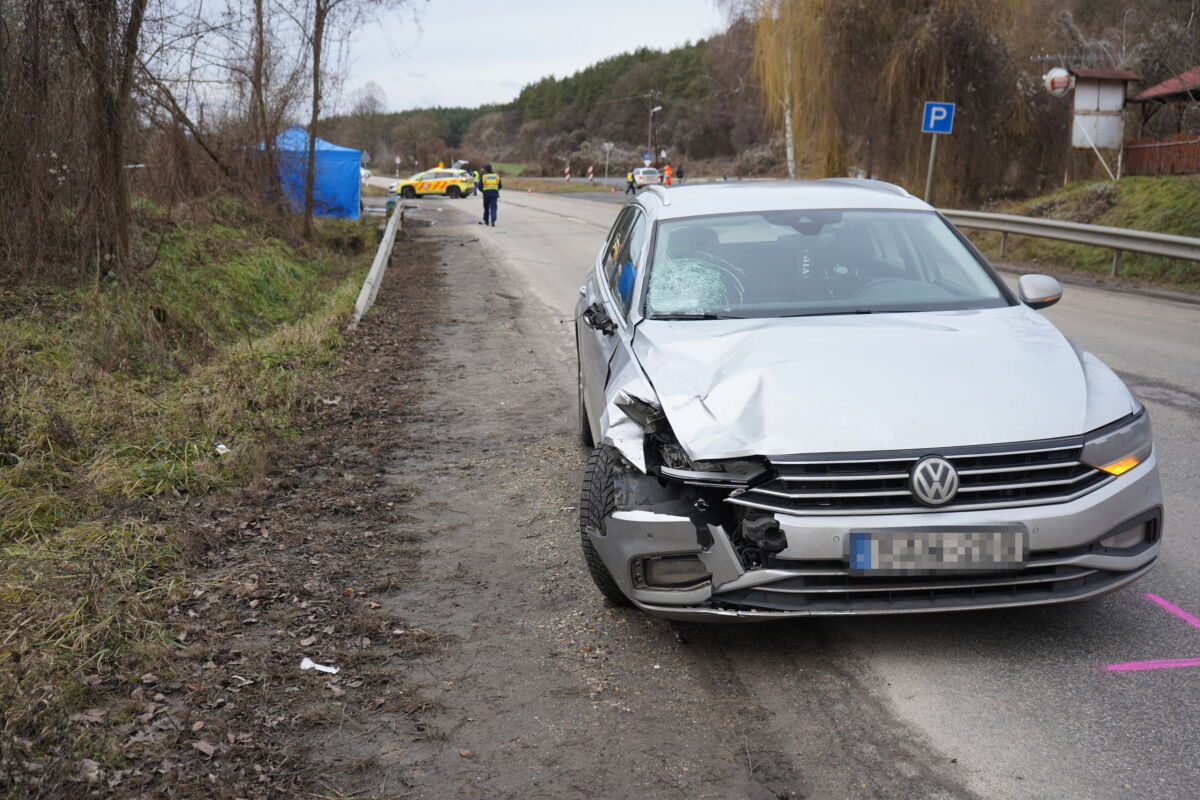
694	316
854	311
830	313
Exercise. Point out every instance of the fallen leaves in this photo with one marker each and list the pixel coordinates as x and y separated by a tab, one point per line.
205	747
90	717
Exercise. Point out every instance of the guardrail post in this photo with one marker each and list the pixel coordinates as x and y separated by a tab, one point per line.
1004	244
1116	267
370	287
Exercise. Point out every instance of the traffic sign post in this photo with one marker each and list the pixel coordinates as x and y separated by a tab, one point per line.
938	120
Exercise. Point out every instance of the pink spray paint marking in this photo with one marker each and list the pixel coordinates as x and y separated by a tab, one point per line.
1174	609
1163	663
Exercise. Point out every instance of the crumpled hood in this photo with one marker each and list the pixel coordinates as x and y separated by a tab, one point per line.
874	382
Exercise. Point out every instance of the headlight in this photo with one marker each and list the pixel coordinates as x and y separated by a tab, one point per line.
727	472
1122	449
674	462
647	415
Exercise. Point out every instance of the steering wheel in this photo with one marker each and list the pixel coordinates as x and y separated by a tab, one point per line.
875	282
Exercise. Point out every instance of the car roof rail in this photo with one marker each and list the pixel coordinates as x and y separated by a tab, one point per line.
870	183
662	192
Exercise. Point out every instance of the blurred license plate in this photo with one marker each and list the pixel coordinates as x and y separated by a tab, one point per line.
930	551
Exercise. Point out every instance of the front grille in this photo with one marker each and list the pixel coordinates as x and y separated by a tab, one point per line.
989	477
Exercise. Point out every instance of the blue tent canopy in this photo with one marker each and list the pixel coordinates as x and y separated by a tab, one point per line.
336	182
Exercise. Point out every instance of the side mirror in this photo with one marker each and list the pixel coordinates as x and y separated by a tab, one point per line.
1039	291
595	316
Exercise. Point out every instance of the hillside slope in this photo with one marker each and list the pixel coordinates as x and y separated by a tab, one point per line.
1168	204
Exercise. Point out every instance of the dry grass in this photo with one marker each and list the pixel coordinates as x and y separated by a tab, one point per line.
551	185
112	402
1162	204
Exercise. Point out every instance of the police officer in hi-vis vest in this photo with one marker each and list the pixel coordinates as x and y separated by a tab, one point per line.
489	186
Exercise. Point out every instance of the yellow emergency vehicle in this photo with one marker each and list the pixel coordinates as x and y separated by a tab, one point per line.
451	182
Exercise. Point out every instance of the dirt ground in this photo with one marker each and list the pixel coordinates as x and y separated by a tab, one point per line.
421	536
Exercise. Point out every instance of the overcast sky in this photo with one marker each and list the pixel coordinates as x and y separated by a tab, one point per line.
470	52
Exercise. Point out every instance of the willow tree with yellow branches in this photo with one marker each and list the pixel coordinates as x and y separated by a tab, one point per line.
845	82
794	72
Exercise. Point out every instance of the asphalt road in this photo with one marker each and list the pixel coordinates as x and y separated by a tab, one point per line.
1020	699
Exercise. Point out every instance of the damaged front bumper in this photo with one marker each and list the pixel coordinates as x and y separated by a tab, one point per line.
806	572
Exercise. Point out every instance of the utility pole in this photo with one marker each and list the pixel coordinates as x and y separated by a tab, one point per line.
650	129
652	106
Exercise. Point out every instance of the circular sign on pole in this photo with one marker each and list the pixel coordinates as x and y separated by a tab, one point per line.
1058	81
397	161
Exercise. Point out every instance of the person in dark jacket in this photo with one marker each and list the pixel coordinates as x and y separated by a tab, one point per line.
489	186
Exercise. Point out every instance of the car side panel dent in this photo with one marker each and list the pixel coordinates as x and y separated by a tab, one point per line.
616	428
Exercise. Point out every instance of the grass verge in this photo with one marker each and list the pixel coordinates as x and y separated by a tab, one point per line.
113	399
552	185
1160	204
508	169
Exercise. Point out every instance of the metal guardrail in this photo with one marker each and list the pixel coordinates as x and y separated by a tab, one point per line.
1119	240
370	287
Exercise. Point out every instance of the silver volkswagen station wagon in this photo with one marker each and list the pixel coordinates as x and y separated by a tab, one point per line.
819	398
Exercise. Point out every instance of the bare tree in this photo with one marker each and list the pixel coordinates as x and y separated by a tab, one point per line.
106	35
328	21
229	78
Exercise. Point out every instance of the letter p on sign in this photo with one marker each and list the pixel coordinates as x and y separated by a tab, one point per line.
938	118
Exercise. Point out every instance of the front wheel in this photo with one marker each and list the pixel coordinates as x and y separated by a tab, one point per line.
454	192
596	504
408	193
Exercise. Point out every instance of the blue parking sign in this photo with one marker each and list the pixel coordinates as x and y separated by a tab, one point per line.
938	118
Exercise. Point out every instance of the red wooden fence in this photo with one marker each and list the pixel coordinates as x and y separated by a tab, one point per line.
1172	155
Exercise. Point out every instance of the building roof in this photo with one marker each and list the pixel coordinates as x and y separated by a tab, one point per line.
1182	83
753	196
1105	74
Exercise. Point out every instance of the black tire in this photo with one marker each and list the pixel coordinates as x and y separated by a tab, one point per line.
585	427
454	192
408	193
596	503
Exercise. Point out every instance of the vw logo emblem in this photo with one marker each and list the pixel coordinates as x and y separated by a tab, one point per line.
934	481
